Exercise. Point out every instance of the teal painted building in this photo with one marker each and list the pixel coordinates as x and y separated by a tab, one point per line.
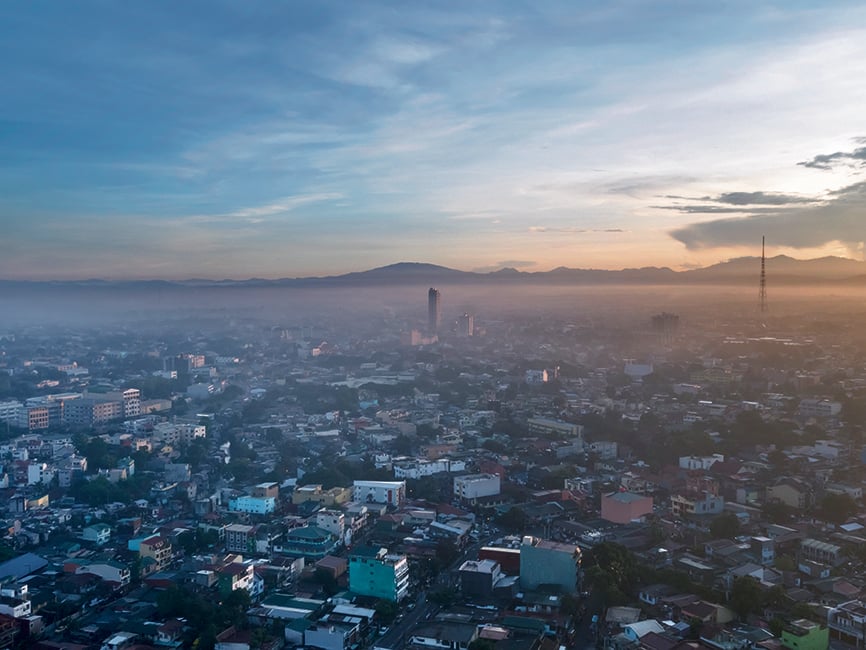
376	573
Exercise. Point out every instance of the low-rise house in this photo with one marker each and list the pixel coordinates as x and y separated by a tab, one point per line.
803	634
822	552
97	533
847	623
456	636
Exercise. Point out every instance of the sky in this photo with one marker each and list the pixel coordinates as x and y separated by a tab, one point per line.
239	139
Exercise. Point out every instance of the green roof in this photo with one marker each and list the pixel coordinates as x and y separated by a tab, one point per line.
300	624
521	623
309	532
290	601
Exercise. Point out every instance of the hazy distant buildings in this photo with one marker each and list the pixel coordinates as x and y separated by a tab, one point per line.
665	326
434	314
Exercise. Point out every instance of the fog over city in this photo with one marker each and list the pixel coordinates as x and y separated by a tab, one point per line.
465	326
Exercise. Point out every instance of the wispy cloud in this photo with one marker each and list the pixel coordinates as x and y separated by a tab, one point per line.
573	230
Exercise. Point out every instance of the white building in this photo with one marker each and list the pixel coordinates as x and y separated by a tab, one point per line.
109	571
131	400
333	521
819	408
9	411
700	462
392	493
39	473
475	486
253	505
415	469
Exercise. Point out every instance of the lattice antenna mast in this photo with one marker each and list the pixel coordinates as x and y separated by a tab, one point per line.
763	292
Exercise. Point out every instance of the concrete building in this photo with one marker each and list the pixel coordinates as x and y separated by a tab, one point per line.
374	572
9	411
847	623
434	311
157	549
334	632
97	533
685	505
543	562
333	521
472	487
253	505
794	493
466	325
266	490
548	427
815	550
478	577
804	634
240	538
625	507
309	542
416	469
39	473
33	418
819	408
109	571
130	400
332	497
392	493
235	576
700	462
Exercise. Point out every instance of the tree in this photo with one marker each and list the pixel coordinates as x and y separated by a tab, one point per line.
746	597
327	581
837	508
777	626
725	526
617	562
514	519
482	644
386	610
777	512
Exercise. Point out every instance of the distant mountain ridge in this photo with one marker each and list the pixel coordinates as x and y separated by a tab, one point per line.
742	270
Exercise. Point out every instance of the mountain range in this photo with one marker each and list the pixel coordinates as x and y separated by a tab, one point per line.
781	270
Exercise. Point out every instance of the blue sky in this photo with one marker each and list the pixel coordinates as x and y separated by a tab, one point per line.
273	139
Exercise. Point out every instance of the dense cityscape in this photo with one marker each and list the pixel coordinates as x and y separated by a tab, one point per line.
376	325
593	475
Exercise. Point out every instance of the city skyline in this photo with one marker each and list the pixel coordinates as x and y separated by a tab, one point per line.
221	140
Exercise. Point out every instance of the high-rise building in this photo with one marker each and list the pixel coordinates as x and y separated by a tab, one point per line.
434	315
466	325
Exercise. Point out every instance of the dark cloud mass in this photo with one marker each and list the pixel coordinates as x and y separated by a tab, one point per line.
856	158
760	198
715	209
842	218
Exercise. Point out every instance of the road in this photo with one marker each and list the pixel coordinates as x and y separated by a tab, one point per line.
397	636
400	631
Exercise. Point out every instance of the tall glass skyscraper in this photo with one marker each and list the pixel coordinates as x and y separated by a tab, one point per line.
434	315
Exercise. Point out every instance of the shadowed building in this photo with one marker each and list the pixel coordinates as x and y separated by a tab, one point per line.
434	314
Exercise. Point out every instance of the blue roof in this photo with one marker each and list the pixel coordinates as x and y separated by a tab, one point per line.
23	565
